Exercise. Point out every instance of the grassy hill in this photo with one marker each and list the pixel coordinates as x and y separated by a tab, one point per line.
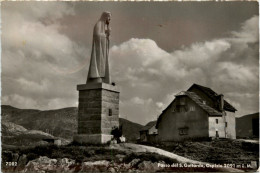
244	126
59	122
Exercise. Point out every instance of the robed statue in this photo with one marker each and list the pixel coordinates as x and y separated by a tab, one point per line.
99	65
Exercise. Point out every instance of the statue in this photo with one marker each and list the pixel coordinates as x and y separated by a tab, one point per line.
99	65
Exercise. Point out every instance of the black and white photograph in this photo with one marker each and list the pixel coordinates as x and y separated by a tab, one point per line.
95	86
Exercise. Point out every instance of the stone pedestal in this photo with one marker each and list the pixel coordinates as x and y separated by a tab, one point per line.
98	112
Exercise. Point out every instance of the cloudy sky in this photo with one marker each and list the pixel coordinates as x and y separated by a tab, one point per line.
157	50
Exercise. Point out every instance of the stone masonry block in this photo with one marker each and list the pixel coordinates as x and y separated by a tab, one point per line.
109	118
106	130
89	130
91	111
91	123
90	94
86	117
109	124
94	108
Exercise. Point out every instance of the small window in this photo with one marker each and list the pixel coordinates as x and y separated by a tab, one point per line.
183	131
226	124
217	135
182	101
110	112
192	108
216	121
182	109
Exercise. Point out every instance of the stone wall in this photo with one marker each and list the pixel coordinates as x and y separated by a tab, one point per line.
89	111
110	111
98	111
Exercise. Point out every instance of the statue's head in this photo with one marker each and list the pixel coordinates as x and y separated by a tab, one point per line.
106	17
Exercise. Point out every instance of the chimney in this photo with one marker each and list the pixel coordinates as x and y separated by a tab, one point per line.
221	102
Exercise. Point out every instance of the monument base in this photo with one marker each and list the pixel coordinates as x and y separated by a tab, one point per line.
92	138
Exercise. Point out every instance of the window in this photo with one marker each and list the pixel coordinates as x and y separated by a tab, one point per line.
225	124
182	101
183	131
216	121
217	135
181	108
110	112
192	108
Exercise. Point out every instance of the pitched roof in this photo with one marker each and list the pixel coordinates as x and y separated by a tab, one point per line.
193	96
148	125
213	95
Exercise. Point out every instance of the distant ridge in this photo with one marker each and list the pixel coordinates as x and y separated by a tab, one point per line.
130	129
245	127
59	122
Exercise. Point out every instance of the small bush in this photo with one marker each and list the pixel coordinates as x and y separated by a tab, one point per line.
32	156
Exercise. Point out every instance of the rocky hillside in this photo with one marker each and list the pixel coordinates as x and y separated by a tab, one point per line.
59	123
13	134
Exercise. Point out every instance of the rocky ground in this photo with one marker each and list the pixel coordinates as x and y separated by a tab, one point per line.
103	158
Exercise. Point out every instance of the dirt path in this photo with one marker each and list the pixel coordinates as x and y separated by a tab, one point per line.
249	140
129	147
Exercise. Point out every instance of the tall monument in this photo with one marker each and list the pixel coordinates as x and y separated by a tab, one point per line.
98	109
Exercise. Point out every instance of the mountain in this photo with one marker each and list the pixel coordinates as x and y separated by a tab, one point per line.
59	122
247	126
130	129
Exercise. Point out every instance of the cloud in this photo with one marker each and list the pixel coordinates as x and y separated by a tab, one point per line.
248	32
41	66
39	63
145	70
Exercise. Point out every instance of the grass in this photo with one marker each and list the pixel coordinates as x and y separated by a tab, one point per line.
216	151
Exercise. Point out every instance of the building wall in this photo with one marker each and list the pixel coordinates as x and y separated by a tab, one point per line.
109	120
213	127
143	136
89	111
170	123
231	125
152	130
152	138
94	116
223	131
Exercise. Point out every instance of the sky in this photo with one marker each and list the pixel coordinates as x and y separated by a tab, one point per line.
157	50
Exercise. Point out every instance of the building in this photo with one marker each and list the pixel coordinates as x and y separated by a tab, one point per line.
149	132
198	112
53	141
